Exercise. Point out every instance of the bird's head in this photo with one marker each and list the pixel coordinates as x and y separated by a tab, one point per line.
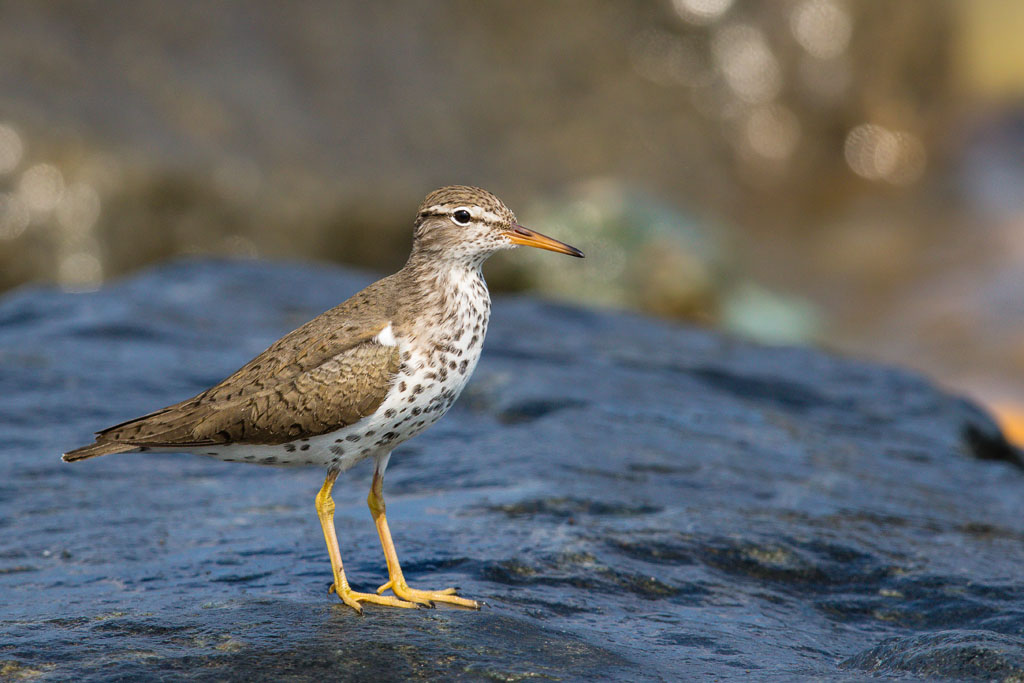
469	224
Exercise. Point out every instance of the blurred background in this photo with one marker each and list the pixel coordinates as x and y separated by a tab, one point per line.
845	174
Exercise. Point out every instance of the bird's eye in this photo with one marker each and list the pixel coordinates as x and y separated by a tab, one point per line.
461	216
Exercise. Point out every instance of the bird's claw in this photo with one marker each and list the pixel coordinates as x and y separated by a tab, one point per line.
427	598
353	599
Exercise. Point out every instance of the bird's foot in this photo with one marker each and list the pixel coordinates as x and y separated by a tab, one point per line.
403	591
353	598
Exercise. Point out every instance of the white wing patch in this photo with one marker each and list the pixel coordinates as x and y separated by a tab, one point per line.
386	337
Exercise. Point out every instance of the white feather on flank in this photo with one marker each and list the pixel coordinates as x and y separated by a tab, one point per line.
386	337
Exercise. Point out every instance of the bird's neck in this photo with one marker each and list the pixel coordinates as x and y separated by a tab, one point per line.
426	259
447	292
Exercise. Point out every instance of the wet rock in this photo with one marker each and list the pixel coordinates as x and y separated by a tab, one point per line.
632	499
962	655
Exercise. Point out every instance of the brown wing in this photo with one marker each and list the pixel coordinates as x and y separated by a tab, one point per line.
325	375
339	392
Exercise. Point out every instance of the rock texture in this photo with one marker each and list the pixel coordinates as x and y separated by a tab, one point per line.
633	500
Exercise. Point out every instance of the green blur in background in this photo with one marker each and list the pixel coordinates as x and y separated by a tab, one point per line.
849	174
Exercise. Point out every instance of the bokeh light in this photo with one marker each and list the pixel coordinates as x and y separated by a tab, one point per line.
41	187
747	62
701	12
877	153
822	27
11	149
14	216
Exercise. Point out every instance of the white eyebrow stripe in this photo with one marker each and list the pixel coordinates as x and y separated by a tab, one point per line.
488	216
474	211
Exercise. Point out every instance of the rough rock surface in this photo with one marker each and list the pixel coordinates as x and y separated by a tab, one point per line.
632	499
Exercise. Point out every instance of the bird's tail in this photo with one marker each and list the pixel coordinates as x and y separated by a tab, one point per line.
95	449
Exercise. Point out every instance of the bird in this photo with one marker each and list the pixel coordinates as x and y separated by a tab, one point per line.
358	380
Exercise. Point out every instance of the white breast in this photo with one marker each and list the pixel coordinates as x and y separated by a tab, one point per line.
437	361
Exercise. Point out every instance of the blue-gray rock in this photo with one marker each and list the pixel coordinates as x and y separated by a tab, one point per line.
634	500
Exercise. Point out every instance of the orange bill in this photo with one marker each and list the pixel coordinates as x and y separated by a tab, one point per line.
528	238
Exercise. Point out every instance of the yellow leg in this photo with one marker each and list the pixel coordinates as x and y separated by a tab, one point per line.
396	581
325	510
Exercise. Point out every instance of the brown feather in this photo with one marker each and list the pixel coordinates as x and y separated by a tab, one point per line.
323	376
96	449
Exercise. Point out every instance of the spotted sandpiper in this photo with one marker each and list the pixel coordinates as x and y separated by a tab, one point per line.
358	380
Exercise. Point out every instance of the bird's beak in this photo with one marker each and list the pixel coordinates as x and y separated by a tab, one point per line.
517	234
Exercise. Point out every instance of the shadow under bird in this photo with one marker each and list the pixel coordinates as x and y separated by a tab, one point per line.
358	380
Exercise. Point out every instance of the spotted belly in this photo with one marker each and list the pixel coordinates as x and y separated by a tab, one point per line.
418	398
